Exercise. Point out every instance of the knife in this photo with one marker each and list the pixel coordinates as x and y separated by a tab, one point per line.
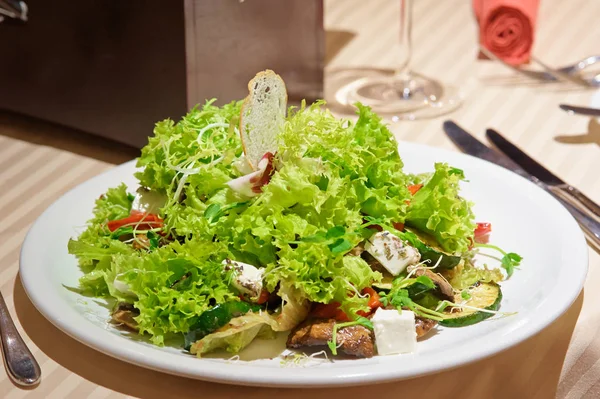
580	110
532	167
470	145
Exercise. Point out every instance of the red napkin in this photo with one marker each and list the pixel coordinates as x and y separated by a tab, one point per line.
507	27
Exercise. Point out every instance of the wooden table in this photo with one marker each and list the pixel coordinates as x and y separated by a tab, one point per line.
563	360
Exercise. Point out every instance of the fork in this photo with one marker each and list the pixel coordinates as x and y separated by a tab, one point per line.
20	364
569	72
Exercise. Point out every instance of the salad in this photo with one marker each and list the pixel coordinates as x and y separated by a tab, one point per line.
323	236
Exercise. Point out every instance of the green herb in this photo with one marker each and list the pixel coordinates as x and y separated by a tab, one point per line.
510	260
335	232
153	238
212	212
340	246
400	296
121	231
215	211
334	237
464	294
426	281
319	237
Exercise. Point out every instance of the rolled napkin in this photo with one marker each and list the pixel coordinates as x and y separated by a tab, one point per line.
507	28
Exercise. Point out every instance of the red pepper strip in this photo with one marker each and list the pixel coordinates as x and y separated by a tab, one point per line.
398	226
482	232
332	310
375	227
263	297
414	188
143	221
329	311
374	301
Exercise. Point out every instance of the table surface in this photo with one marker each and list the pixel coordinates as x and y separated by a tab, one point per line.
39	162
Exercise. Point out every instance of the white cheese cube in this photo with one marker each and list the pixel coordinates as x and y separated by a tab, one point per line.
393	254
122	287
394	332
148	201
246	278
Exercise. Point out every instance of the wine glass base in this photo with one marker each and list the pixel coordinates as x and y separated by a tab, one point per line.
403	98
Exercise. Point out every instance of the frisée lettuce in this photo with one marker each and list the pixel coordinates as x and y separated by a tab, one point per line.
332	178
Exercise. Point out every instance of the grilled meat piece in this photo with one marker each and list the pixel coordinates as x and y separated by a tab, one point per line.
124	314
423	326
444	289
353	340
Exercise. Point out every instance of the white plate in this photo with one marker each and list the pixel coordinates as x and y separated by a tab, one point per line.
525	220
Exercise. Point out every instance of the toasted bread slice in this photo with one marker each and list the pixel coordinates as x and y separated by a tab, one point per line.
262	116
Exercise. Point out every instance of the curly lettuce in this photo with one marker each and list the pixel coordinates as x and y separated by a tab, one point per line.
331	175
438	209
236	335
466	274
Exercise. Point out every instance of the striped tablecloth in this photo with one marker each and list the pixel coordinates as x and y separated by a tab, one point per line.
563	360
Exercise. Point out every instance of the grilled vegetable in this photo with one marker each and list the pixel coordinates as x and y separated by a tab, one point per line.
484	296
430	249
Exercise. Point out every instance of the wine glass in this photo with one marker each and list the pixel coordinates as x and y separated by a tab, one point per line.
405	94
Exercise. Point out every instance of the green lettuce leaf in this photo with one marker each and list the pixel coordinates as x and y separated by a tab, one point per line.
168	304
438	209
236	335
95	247
294	310
465	275
205	136
115	204
330	176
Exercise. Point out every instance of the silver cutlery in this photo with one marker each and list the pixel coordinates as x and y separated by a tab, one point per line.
20	364
569	72
580	110
470	145
534	168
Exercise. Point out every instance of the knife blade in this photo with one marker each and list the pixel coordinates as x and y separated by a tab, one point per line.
534	168
580	110
470	145
529	164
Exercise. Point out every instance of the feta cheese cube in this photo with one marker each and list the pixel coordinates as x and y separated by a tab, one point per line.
246	278
393	254
148	201
122	287
394	332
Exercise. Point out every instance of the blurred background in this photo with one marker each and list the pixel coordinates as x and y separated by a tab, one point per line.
76	73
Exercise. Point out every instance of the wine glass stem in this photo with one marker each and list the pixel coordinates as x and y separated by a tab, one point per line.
403	70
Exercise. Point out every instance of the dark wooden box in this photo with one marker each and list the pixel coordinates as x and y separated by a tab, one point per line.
115	67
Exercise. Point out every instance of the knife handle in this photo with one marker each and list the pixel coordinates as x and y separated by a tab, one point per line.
590	226
583	199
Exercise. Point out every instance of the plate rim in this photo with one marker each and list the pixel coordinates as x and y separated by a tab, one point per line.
139	357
